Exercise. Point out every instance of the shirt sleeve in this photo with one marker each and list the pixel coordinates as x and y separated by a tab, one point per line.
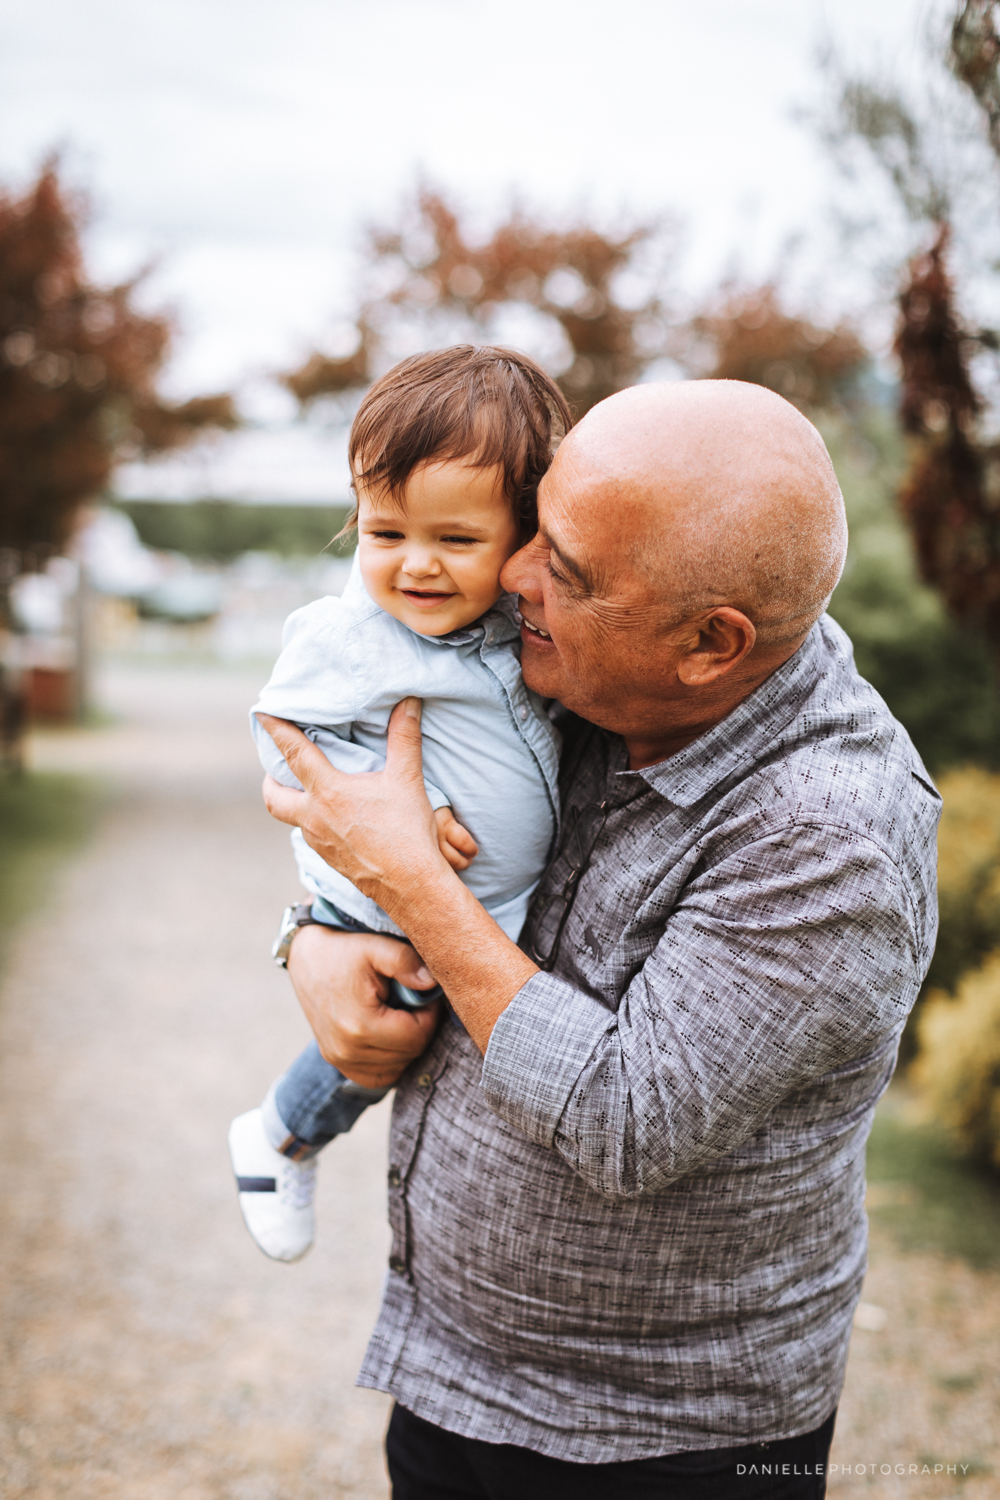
792	957
313	686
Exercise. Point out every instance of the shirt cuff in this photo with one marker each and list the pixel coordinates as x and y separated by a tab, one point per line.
538	1049
435	796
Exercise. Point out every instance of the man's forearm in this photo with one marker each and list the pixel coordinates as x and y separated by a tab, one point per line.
476	963
380	832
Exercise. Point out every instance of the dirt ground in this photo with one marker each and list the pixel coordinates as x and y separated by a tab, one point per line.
150	1351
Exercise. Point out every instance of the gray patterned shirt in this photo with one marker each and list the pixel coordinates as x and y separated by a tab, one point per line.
637	1228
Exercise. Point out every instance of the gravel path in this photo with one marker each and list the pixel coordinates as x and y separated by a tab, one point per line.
150	1351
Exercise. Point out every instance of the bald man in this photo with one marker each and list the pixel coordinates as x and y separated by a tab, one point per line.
627	1171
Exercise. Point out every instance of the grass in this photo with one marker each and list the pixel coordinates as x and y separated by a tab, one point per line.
43	816
924	1193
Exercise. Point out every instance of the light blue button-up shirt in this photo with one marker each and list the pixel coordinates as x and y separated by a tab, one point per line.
490	750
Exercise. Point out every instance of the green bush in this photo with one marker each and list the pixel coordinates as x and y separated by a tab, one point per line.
938	679
219	530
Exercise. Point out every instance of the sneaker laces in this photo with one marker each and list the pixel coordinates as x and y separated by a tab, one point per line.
297	1182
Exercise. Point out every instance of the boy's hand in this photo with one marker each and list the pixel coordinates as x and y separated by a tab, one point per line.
455	842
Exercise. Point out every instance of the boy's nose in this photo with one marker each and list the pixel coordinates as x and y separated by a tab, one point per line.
421	564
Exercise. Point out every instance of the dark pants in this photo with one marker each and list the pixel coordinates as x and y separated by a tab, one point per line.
428	1463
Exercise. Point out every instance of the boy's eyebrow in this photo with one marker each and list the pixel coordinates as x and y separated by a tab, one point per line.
568	562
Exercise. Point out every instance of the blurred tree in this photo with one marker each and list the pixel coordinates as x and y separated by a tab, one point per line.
950	494
595	298
975	53
748	334
937	677
78	368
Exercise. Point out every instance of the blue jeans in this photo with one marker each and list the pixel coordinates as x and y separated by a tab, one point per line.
313	1099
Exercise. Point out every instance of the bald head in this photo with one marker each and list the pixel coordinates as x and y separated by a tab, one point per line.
720	493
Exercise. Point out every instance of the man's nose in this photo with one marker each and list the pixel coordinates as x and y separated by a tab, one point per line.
521	574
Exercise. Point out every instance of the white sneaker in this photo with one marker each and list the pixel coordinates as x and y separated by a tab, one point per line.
276	1193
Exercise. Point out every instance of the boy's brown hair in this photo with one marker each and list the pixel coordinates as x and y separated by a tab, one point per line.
489	406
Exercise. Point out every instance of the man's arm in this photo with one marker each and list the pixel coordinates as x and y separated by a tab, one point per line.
379	831
794	956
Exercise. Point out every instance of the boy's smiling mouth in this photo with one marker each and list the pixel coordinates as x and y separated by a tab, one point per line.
425	596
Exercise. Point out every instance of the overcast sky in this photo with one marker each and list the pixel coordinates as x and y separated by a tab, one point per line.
241	142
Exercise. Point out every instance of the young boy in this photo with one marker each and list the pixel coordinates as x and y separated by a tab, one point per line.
446	450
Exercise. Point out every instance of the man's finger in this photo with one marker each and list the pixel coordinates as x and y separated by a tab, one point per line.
401	962
404	751
302	757
283	802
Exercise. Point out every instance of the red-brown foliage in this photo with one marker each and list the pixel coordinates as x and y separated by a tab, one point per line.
78	368
440	271
750	336
948	495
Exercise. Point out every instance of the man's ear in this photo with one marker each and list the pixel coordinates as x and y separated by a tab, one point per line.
724	637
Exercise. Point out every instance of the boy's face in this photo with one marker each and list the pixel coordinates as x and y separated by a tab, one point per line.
435	561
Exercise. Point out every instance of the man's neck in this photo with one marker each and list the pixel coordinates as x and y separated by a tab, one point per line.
692	717
649	751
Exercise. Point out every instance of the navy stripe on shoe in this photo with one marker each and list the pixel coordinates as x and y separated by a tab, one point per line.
256	1184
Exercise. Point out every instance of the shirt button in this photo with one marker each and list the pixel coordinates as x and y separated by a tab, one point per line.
396	1263
424	1081
522	713
395	1177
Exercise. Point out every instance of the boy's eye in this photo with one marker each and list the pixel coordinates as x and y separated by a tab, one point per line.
467	541
388	536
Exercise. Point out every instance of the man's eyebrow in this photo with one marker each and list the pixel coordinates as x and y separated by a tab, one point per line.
568	563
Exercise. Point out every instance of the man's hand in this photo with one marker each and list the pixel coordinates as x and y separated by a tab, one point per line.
455	842
377	828
369	826
342	981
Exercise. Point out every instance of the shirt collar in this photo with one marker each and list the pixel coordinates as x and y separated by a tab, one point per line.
753	726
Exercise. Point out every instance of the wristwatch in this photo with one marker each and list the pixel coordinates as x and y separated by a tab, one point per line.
292	919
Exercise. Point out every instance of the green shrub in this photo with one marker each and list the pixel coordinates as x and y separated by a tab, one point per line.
958	1065
219	530
938	679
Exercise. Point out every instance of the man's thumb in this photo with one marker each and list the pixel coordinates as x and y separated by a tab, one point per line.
404	751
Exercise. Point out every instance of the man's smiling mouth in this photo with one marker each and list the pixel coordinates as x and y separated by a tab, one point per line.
535	629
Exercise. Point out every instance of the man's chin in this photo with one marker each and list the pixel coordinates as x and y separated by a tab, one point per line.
540	668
